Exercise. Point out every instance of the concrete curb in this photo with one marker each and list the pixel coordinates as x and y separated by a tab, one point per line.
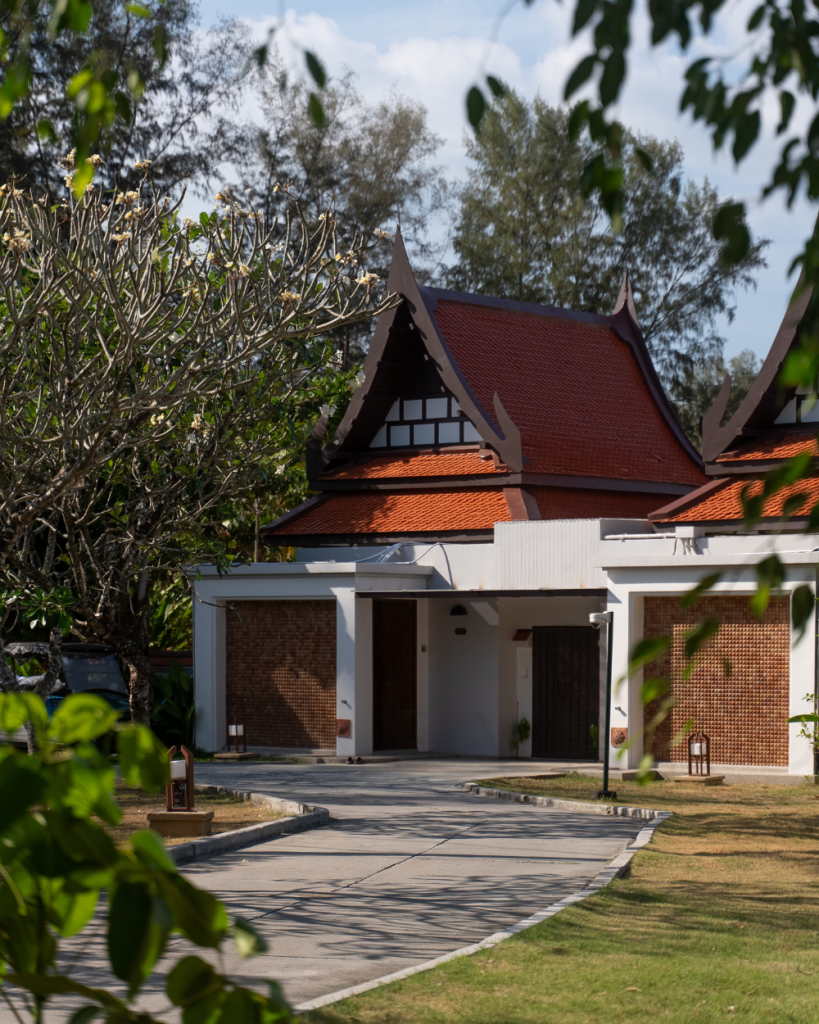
578	806
614	869
300	816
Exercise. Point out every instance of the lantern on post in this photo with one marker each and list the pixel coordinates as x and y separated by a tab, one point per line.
180	819
699	754
179	790
236	733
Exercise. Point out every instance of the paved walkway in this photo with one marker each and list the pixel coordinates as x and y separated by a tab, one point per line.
409	868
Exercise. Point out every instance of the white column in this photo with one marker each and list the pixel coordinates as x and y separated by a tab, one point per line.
346	702
523	655
422	674
209	675
628	630
363	701
802	682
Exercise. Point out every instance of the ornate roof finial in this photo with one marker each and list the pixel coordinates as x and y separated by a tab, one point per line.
626	299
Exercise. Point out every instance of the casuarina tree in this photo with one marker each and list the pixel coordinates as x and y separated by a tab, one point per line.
525	230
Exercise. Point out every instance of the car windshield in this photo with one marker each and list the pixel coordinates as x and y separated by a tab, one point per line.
93	672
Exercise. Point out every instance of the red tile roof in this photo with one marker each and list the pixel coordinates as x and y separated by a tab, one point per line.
396	512
774	446
723	502
422	464
573	388
574	503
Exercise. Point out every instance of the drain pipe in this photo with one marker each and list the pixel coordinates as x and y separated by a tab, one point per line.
597	619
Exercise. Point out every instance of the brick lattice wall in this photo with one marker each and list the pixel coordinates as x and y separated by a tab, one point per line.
281	672
744	707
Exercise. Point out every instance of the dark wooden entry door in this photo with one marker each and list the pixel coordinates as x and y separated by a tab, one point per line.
394	675
565	691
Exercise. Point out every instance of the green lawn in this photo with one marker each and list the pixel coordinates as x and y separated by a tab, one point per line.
718	919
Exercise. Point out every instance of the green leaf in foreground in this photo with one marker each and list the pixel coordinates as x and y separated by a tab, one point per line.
143	760
475	107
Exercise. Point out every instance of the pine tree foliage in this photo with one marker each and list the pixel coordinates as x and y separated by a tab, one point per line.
165	115
375	162
524	230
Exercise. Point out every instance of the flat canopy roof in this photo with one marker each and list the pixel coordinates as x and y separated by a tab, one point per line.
475	594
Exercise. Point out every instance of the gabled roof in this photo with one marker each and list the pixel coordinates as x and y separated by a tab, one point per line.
565	414
766	398
552	391
754	441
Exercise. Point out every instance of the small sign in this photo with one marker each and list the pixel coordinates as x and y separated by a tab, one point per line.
619	735
344	728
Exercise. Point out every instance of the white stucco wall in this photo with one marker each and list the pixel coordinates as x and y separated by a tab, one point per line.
463	680
454	566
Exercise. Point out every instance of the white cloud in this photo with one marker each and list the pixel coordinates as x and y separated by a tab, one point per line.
384	47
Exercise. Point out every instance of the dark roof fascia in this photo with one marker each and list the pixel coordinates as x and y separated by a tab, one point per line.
765	397
401	281
320	455
681	504
471	595
490	480
500	432
316	540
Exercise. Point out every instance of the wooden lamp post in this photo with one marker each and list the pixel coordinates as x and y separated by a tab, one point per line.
180	818
699	761
179	794
699	754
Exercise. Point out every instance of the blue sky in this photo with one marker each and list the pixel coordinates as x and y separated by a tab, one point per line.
434	50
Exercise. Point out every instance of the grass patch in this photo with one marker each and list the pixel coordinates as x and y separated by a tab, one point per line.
230	813
717	920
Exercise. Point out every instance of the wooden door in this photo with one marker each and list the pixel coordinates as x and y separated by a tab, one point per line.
565	691
394	675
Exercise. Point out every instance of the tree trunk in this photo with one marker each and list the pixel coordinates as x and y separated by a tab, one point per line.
7	677
139	684
46	684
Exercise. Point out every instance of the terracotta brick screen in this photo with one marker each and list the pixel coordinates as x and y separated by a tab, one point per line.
743	708
281	672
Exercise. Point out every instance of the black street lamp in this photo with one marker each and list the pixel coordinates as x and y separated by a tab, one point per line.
597	619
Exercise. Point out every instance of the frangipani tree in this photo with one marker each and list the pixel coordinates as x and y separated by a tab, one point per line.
149	366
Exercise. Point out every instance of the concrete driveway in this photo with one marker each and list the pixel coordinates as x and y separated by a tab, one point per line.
409	868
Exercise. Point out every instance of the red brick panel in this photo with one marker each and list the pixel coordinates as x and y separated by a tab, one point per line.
738	691
281	672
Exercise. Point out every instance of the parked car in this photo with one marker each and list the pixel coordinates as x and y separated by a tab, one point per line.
86	668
